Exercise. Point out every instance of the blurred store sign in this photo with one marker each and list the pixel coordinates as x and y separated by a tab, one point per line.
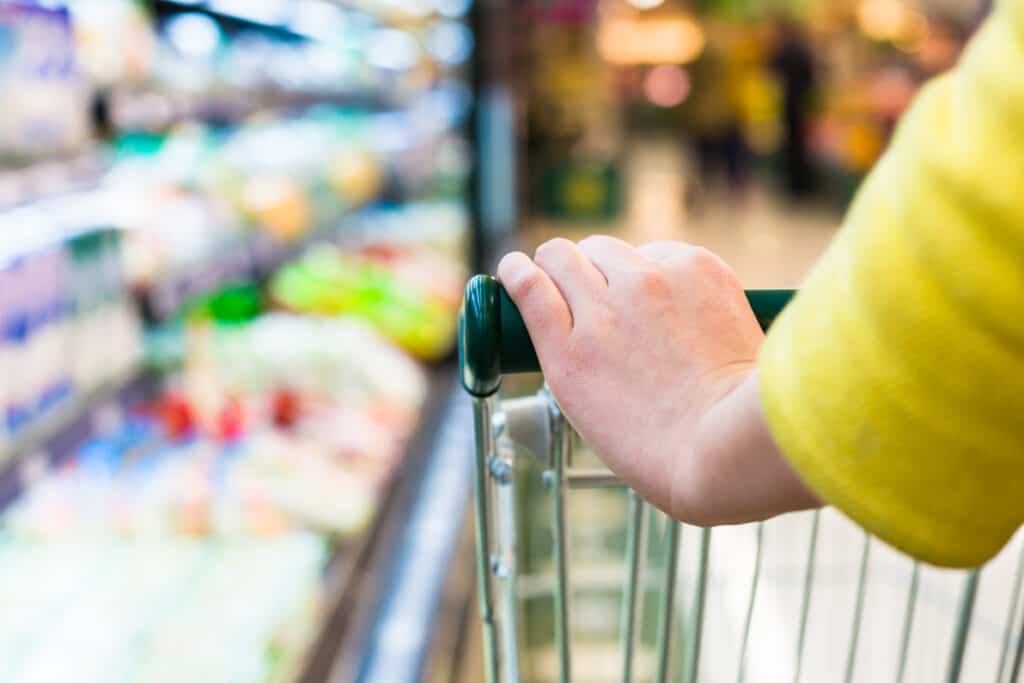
582	191
565	11
674	39
891	20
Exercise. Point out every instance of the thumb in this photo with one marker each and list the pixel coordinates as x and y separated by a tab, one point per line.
541	304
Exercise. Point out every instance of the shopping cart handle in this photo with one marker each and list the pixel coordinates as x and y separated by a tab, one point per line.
493	340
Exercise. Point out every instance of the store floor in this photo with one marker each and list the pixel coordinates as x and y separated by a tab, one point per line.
770	244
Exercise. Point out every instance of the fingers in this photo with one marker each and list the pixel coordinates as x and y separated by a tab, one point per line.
617	261
545	312
580	283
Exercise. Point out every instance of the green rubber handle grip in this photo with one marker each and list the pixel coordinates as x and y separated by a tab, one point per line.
493	340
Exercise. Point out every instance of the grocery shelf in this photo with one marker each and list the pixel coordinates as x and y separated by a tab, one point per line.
360	576
236	260
230	107
253	257
54	438
417	576
31	180
230	22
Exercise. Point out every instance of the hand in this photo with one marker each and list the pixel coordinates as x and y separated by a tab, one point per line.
643	348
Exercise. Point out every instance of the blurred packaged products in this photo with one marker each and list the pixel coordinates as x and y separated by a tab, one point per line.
46	98
184	197
193	503
293	175
68	327
114	40
409	294
325	358
200	526
155	610
440	226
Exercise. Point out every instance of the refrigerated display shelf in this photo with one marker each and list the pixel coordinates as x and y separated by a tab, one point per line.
231	22
54	438
416	578
358	576
357	579
229	107
32	180
252	258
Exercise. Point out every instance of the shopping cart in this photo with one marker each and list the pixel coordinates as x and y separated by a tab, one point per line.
493	342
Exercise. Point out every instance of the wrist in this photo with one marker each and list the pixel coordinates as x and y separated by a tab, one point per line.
736	472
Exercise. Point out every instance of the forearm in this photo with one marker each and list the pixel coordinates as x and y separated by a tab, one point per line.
893	382
736	472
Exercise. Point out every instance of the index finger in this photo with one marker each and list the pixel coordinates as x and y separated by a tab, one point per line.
540	302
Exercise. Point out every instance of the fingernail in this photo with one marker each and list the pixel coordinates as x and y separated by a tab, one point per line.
512	263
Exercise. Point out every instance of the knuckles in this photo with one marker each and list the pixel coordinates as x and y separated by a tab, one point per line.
554	250
649	284
699	262
598	241
653	283
523	284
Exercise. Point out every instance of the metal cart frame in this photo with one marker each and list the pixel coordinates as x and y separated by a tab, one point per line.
493	341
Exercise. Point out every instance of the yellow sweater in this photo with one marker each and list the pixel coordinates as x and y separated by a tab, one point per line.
894	383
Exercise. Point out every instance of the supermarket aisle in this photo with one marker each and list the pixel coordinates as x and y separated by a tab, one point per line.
769	243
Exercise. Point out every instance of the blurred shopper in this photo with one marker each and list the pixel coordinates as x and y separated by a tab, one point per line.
793	62
891	387
712	117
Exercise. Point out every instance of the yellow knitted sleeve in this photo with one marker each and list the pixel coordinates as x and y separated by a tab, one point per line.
894	383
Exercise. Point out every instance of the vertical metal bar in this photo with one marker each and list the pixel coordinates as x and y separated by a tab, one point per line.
506	566
805	603
908	622
556	479
482	408
668	597
858	609
1011	618
570	454
634	558
697	619
744	643
963	624
1018	657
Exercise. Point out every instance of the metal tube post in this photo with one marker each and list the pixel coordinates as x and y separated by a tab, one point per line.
697	622
742	669
858	610
668	605
1011	617
908	622
555	478
482	409
506	567
963	624
805	605
634	561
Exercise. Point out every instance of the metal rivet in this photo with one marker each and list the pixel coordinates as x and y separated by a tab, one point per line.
498	424
499	569
501	471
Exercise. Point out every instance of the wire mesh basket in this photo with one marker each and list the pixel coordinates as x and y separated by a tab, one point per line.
805	597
